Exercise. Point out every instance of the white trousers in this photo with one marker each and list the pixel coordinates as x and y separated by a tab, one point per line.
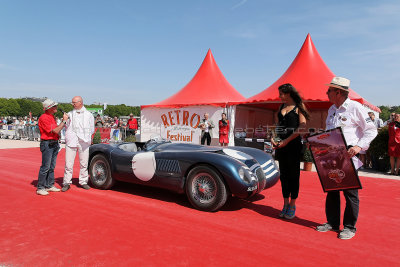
70	153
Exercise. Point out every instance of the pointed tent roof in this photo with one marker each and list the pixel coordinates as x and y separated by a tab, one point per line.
309	74
207	87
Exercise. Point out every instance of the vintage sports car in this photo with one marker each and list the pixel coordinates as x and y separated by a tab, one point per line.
208	175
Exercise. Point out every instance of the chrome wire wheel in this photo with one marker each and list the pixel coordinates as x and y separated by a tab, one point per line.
99	172
204	188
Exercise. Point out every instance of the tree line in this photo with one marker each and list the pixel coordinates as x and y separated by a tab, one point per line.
21	107
387	110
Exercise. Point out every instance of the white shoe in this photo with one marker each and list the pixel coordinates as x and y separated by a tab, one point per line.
42	192
346	233
53	189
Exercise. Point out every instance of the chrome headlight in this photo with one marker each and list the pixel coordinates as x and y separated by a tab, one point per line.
245	175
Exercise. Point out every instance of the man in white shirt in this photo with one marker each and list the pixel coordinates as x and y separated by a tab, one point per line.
358	131
377	121
206	127
78	138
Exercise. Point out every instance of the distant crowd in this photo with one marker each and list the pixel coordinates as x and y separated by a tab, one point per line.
27	127
19	121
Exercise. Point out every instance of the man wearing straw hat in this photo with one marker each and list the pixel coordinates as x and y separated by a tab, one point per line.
358	131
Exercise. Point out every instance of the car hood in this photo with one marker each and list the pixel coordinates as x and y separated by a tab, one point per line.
228	151
187	147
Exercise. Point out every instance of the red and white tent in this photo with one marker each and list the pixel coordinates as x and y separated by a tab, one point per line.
177	117
309	74
207	87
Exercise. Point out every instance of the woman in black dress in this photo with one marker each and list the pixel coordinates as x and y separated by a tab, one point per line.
292	116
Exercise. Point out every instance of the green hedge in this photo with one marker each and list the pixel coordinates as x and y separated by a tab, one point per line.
307	157
379	151
97	137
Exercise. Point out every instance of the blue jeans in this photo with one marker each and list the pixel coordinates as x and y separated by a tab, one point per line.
49	149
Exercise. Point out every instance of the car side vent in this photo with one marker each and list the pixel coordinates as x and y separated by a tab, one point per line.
168	165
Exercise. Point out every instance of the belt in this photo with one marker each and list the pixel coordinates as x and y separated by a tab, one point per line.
48	140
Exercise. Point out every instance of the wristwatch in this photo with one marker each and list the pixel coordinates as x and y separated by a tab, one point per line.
64	122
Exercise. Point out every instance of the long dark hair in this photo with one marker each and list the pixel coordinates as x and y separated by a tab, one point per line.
287	88
224	121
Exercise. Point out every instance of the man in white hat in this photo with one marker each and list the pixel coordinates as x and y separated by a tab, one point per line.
358	131
78	138
49	147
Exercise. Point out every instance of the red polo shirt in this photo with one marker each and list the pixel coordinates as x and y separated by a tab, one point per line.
47	123
133	123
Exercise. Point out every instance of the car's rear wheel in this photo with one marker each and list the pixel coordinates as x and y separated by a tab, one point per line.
205	189
100	172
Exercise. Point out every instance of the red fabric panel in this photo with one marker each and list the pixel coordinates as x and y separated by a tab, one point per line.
104	134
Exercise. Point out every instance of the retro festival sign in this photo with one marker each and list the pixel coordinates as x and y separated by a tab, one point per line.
181	125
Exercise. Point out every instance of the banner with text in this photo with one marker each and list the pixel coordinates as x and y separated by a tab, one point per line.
178	124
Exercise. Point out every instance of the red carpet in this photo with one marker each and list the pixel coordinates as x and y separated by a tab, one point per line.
140	226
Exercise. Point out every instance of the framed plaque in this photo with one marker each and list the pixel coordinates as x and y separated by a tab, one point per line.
336	170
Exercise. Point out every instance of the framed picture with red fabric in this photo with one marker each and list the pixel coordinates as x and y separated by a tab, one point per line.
336	170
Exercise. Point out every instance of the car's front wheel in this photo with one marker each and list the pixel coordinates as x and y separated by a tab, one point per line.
100	172
205	189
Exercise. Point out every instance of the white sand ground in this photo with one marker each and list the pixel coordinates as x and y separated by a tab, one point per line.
9	144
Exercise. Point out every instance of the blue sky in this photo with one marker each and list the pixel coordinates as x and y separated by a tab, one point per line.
141	52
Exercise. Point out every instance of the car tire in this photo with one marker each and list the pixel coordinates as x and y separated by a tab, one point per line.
100	172
205	189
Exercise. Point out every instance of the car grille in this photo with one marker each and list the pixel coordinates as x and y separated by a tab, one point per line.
261	179
168	165
269	169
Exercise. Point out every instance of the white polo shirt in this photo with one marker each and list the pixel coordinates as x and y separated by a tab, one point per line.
358	128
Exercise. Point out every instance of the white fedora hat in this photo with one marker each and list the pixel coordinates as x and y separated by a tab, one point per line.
340	83
48	103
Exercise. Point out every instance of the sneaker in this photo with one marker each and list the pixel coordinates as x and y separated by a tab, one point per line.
53	189
65	187
290	212
284	210
85	186
42	192
325	228
346	233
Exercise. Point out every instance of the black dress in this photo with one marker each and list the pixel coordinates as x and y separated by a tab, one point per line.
289	156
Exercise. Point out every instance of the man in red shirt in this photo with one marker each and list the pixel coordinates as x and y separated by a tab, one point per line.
49	147
132	125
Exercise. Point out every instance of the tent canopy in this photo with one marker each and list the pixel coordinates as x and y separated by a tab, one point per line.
309	75
207	87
